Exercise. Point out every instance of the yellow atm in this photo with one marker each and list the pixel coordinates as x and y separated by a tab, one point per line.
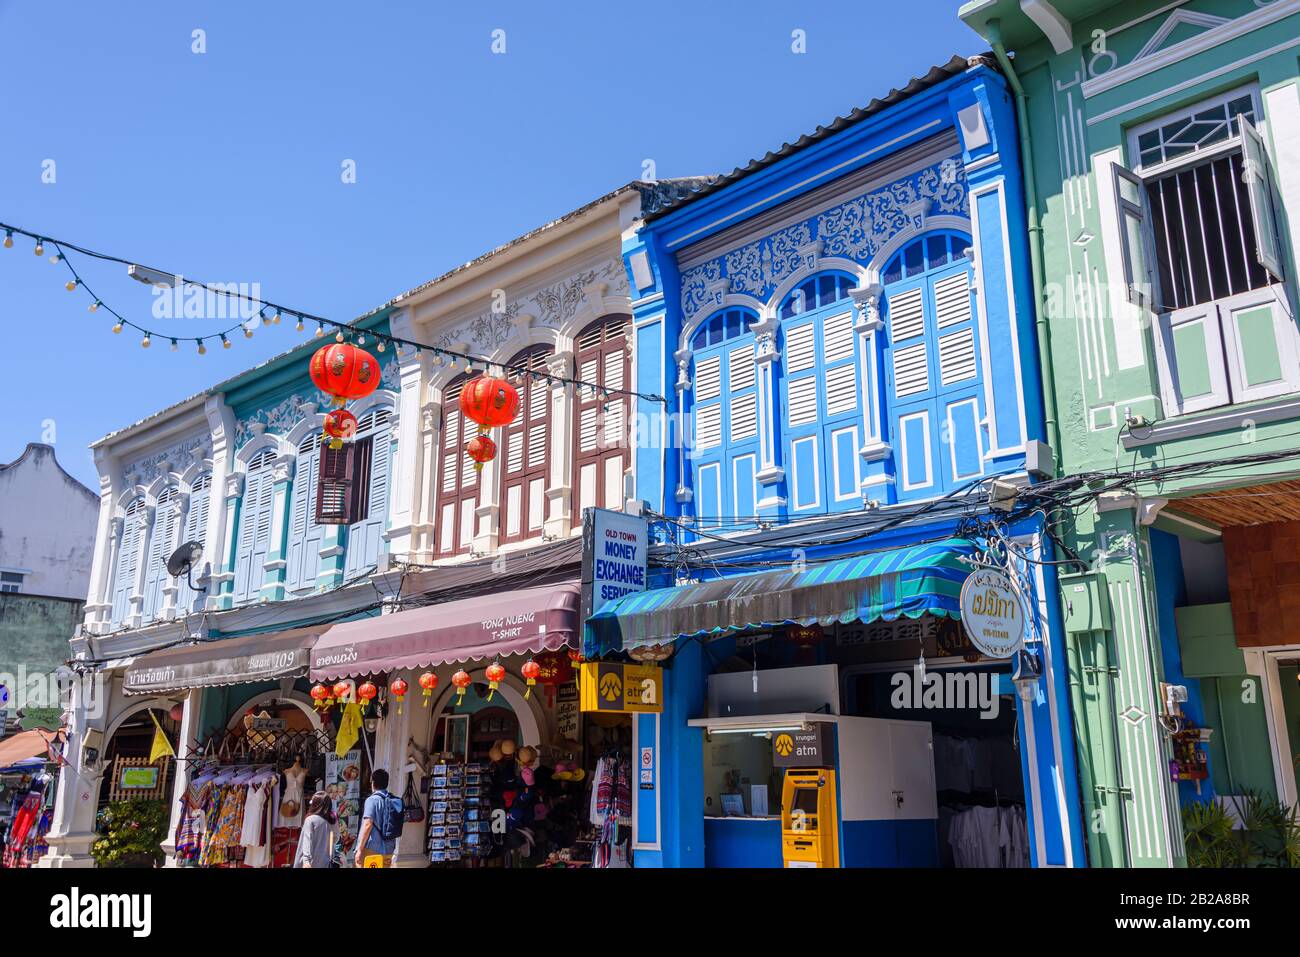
810	819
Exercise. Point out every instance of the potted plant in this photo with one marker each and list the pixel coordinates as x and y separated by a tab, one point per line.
1263	833
132	833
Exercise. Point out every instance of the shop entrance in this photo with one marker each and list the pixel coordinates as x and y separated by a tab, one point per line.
978	783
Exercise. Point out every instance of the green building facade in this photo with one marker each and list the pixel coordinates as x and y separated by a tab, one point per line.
1162	145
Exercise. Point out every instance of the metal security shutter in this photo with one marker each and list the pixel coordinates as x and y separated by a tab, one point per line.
525	472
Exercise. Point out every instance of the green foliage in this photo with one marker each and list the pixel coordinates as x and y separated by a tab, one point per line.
132	834
1269	835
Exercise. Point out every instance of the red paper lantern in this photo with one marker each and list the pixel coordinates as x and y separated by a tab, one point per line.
556	670
366	692
461	680
344	371
481	449
489	401
495	673
341	691
530	671
428	681
320	695
340	424
398	688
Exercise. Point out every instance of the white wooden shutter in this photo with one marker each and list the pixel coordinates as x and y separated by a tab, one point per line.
837	334
801	348
952	299
740	368
708	426
708	378
803	400
841	389
911	371
744	417
957	356
907	315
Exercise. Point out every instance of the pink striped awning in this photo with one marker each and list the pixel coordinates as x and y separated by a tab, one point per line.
524	621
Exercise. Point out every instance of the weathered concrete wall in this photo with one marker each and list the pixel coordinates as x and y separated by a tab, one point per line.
47	525
34	633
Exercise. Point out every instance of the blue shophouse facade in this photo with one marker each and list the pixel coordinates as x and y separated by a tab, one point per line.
843	336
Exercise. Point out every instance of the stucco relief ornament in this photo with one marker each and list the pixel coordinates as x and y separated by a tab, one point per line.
493	328
562	301
696	284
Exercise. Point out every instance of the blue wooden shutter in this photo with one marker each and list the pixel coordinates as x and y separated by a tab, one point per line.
128	561
254	528
195	530
365	535
305	535
162	541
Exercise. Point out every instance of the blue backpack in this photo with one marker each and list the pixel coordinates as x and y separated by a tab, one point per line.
390	816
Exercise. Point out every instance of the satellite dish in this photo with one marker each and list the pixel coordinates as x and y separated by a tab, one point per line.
183	560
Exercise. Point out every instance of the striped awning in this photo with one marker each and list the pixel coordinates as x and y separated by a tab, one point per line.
903	582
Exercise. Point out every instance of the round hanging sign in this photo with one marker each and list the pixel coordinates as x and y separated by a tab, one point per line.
992	613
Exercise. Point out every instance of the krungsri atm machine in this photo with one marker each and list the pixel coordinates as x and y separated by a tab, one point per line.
810	818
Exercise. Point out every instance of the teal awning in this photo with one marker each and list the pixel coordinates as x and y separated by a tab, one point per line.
903	582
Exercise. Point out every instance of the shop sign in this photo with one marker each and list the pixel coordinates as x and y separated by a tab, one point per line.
47	719
566	712
138	779
613	557
263	723
802	749
611	686
992	613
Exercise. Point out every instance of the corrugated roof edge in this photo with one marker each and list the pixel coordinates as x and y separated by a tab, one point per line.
936	75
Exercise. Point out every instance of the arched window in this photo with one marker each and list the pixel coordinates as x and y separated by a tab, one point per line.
936	393
821	394
600	440
162	542
824	289
458	482
128	559
370	514
302	552
254	527
525	452
195	530
724	417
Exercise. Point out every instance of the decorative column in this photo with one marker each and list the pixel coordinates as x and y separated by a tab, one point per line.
771	457
877	480
222	587
408	492
274	568
221	521
99	600
559	484
72	828
684	388
186	745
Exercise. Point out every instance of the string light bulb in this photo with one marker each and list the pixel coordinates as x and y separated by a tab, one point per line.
118	327
379	346
40	248
9	239
299	325
56	259
144	343
361	340
203	350
225	343
275	317
175	345
248	332
320	329
338	336
72	284
94	306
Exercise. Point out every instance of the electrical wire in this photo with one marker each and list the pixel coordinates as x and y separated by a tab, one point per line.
343	330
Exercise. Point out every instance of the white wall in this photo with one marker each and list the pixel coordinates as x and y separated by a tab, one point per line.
47	524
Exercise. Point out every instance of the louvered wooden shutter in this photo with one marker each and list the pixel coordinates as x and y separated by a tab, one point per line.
161	538
334	494
600	452
525	470
128	560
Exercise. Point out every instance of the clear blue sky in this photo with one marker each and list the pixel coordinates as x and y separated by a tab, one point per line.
226	165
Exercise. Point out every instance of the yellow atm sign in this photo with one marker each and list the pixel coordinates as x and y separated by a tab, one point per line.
613	687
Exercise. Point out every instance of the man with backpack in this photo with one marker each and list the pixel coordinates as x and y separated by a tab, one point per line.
381	821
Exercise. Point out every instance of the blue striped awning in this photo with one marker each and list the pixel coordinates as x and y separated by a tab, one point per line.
900	583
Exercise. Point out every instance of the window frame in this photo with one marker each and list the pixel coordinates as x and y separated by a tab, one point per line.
468	483
615	338
531	392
